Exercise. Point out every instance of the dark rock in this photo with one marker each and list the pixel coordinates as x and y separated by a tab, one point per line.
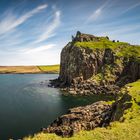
121	104
80	64
81	118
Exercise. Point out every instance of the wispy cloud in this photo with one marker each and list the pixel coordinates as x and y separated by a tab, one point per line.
95	14
44	57
29	44
11	21
108	6
49	32
131	7
32	36
38	49
41	31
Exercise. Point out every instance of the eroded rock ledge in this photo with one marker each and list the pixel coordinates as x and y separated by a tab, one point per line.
98	114
87	87
81	118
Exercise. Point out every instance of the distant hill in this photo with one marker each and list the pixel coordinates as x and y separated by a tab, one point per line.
29	69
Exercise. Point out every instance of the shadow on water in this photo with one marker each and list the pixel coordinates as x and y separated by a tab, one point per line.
27	104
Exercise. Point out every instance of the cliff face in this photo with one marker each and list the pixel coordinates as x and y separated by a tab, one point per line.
99	60
96	65
78	64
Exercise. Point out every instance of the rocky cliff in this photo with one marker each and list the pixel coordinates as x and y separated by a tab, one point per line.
89	61
97	65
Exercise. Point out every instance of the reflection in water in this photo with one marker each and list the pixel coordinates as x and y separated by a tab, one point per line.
27	104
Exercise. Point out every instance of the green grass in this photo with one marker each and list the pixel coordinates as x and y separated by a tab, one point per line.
128	129
50	68
120	49
130	52
106	75
117	131
103	44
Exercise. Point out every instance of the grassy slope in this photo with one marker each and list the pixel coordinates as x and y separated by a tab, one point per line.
121	49
128	129
19	69
50	68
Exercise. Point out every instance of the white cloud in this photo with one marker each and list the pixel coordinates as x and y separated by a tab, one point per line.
26	47
10	21
97	12
131	7
42	55
49	32
38	49
34	58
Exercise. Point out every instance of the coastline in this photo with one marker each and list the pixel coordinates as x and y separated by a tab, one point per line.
50	69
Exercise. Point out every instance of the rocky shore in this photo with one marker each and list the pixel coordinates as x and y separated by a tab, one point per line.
98	114
81	118
87	87
95	65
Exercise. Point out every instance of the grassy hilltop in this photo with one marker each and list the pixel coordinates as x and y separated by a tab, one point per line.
121	49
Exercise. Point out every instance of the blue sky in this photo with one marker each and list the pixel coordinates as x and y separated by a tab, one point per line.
33	32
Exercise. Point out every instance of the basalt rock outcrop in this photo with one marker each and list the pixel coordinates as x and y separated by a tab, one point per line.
89	87
81	118
97	62
98	114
